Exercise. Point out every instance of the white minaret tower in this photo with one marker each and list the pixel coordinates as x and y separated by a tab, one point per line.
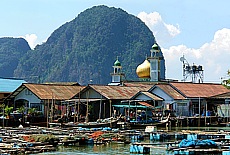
154	63
117	74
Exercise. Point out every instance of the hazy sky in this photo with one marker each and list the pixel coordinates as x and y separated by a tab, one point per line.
197	29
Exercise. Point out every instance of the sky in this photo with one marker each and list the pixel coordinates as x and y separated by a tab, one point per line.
199	30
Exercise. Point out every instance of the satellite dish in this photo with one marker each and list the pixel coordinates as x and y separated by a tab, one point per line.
182	59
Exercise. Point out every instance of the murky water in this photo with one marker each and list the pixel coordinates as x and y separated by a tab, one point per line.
110	149
115	149
92	150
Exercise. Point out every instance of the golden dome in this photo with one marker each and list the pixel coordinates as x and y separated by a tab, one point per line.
143	70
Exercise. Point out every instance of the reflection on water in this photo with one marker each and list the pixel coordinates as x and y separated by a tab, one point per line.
202	128
122	149
92	150
109	149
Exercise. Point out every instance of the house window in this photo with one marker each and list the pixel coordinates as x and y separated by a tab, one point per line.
36	105
6	94
181	104
28	92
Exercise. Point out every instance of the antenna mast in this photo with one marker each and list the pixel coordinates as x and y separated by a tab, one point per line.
194	72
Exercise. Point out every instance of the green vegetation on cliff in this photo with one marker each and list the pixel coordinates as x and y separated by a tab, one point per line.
11	50
85	48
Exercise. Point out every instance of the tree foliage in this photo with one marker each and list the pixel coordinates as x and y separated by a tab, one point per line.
11	50
85	48
226	82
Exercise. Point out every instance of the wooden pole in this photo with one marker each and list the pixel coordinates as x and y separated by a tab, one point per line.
136	110
75	109
52	107
199	113
206	112
104	109
110	112
129	111
47	113
3	118
100	108
87	108
110	108
78	106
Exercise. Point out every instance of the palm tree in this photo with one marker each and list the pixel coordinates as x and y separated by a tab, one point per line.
32	111
8	110
22	110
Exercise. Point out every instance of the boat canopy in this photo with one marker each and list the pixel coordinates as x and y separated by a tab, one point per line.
131	106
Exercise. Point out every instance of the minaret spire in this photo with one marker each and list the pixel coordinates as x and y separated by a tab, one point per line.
154	63
117	74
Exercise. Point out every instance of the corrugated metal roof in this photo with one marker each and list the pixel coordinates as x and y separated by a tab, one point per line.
171	91
193	90
156	98
50	91
8	85
139	84
64	83
222	96
119	92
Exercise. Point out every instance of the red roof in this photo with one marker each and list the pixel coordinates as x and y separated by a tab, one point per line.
191	90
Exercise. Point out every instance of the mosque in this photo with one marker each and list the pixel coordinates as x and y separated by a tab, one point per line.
152	69
153	93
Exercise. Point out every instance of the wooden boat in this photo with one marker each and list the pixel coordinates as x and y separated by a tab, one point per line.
108	122
143	125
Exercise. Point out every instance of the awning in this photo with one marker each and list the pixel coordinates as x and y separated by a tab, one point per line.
146	104
76	101
158	107
129	106
142	105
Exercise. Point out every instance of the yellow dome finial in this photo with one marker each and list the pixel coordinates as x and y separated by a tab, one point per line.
143	70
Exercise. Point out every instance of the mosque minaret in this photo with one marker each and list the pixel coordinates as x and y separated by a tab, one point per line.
153	68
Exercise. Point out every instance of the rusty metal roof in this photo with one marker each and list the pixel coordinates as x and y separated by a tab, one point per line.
168	89
193	90
222	96
63	83
152	96
119	92
50	91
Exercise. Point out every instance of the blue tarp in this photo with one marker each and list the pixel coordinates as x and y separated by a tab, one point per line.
193	143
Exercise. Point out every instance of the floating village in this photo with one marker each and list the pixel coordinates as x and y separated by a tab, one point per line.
169	114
